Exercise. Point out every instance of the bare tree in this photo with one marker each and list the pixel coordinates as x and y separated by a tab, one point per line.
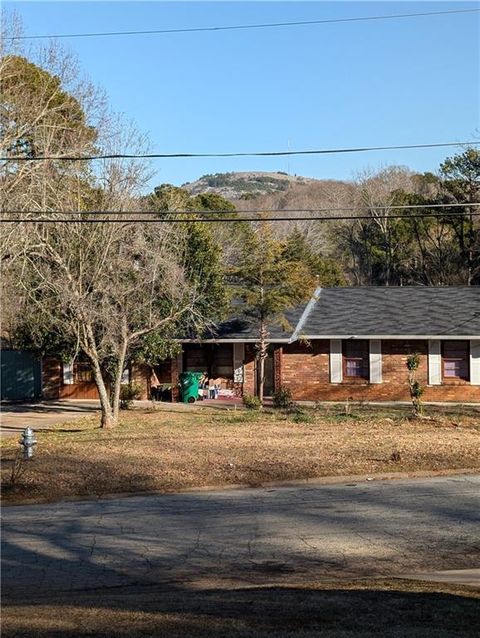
377	193
105	286
99	286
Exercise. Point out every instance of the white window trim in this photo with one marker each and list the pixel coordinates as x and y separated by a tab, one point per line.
336	361
375	360
475	361
434	362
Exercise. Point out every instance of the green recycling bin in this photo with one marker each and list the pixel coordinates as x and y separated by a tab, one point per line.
189	386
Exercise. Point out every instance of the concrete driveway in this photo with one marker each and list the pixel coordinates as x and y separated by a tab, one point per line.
289	534
42	415
14	417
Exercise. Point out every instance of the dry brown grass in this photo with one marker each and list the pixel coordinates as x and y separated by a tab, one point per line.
171	450
387	609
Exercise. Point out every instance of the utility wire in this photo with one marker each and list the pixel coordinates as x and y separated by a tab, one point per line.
268	25
330	151
241	210
232	220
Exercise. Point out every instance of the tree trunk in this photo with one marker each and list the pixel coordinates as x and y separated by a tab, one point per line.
118	381
108	419
262	355
261	377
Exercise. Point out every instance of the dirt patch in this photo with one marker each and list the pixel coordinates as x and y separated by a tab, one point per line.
167	451
358	609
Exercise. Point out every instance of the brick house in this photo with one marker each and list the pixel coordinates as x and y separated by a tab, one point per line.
346	343
353	343
61	380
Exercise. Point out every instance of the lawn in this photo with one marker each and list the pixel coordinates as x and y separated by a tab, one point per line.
176	449
360	609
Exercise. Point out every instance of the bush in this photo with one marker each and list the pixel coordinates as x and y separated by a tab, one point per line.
413	361
251	402
282	399
416	388
128	393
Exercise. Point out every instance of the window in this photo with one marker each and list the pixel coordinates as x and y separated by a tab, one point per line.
82	372
455	360
355	359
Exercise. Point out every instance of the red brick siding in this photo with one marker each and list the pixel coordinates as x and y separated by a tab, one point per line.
54	388
277	367
142	375
305	370
51	378
249	369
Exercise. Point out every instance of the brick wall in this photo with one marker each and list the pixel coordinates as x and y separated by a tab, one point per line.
54	388
51	378
306	371
143	376
249	369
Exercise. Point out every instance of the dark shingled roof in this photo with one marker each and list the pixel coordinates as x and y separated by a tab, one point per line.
371	311
395	311
242	328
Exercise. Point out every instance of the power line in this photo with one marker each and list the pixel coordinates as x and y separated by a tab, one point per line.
235	220
267	25
243	210
330	151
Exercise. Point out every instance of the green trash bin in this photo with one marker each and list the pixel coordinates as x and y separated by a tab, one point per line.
189	386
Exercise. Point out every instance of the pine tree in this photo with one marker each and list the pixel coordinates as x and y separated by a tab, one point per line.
270	284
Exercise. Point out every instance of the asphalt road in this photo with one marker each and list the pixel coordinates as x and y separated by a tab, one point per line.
377	528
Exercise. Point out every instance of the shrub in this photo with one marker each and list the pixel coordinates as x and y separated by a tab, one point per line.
416	388
251	402
128	393
413	361
282	398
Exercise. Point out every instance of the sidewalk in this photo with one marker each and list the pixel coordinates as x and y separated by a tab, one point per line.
469	577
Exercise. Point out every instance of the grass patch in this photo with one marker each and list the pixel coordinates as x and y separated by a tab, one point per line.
388	609
170	450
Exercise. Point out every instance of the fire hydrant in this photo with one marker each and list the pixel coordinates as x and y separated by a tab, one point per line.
28	441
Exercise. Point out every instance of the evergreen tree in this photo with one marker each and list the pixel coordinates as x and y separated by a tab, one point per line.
326	271
460	179
270	283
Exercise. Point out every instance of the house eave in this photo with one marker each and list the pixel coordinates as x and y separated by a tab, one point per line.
230	340
385	336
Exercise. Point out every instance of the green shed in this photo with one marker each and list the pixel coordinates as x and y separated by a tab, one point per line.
21	376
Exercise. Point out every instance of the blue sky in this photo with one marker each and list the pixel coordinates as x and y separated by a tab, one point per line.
406	81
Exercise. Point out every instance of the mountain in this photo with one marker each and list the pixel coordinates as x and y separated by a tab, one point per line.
245	185
275	191
261	191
